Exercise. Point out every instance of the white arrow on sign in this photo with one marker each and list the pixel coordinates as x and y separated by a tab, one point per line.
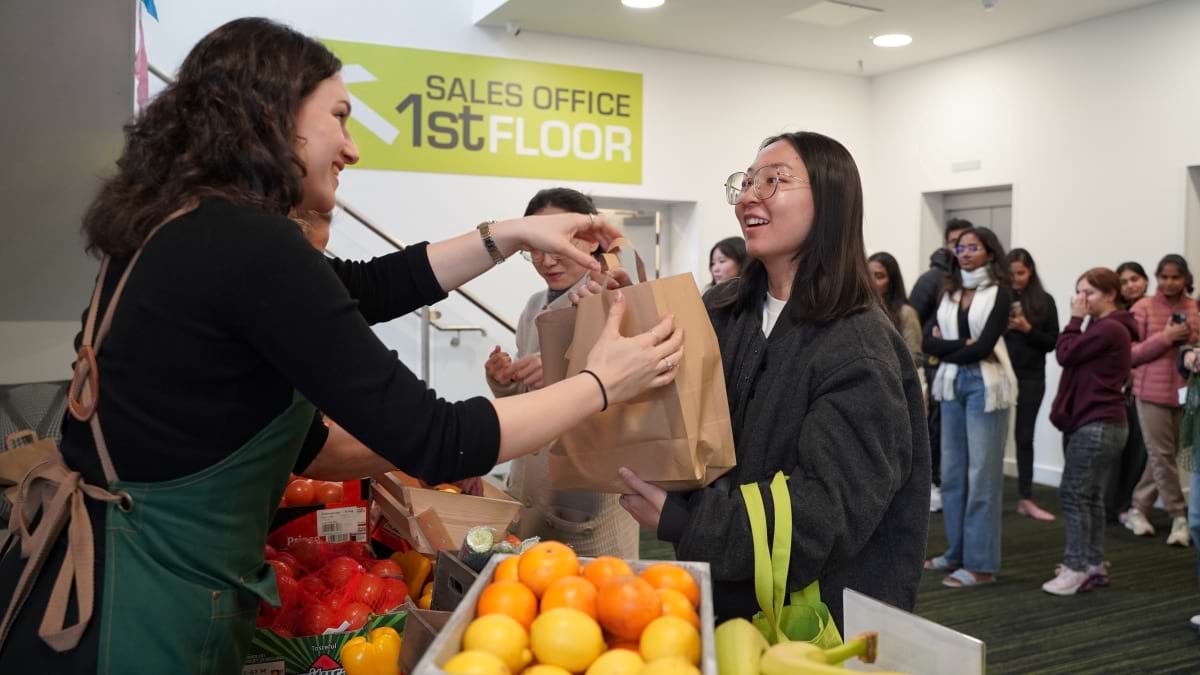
373	121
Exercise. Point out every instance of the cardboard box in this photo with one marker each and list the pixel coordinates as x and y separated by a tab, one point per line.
407	507
422	626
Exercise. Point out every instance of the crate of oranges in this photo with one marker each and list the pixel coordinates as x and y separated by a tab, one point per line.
549	612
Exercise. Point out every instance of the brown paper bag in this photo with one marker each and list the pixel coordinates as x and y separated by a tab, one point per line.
678	437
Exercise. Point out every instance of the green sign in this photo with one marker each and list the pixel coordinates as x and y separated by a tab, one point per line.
441	112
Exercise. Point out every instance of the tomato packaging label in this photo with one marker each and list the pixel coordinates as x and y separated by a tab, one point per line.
271	653
342	524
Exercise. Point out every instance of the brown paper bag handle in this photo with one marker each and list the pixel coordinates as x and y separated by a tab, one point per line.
610	260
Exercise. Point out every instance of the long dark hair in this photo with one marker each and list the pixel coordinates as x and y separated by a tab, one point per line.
832	280
895	298
1182	265
1034	299
997	269
571	201
733	248
226	128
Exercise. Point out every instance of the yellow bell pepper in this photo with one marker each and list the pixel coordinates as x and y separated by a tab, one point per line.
379	655
425	601
416	568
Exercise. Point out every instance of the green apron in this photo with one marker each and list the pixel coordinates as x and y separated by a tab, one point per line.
184	570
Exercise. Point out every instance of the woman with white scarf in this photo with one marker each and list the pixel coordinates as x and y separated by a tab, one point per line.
977	388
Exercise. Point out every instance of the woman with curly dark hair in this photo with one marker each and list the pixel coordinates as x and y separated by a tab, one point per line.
216	329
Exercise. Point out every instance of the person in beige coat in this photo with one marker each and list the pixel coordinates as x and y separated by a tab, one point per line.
591	523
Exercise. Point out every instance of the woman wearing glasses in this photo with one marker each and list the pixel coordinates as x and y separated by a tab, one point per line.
820	387
591	523
977	388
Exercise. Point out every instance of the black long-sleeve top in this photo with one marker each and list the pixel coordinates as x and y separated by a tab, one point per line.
1028	350
958	351
227	312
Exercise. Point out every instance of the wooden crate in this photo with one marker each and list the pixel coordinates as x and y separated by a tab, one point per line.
449	640
403	501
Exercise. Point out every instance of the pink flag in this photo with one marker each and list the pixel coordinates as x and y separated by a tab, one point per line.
141	68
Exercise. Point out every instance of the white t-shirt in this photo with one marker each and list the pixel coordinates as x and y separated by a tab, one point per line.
772	308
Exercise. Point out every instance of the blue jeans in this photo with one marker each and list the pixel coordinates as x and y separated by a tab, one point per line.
972	474
1194	518
1089	451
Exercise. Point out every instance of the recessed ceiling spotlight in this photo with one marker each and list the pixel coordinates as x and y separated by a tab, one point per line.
892	40
642	4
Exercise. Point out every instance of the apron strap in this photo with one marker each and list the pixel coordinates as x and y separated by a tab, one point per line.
50	487
82	401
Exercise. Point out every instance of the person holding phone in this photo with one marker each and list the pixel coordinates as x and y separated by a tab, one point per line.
1032	333
1166	321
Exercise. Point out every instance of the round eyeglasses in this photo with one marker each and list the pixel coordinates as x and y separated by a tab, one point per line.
765	182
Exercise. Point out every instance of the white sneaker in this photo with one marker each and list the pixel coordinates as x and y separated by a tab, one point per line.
1137	524
1179	533
1195	621
1098	575
1068	582
935	499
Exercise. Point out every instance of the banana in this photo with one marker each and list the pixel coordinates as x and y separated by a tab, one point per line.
739	648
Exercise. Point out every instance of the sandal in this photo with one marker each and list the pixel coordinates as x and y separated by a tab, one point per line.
961	578
941	563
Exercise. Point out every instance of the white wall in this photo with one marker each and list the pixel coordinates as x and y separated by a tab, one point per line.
704	118
1093	125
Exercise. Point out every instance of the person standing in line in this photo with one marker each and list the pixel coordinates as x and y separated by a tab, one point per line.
1166	320
1126	471
889	283
1032	333
977	388
726	260
1090	411
1189	366
924	299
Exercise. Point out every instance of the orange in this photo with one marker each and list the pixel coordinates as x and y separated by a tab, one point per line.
507	569
604	567
664	575
511	598
677	604
574	592
626	605
545	564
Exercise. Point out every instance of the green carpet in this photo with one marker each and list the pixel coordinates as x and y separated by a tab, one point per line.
1137	625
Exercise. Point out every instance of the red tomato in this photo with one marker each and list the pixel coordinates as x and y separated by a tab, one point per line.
340	570
395	592
289	590
291	561
356	613
368	590
299	493
314	585
328	493
314	619
309	553
282	569
386	569
353	549
269	552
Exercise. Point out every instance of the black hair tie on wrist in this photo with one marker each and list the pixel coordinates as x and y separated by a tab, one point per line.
603	392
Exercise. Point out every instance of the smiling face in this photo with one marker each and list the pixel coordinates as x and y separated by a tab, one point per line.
1133	286
323	143
560	273
1171	281
776	227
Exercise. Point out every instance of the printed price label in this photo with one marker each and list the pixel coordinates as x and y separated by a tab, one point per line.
337	526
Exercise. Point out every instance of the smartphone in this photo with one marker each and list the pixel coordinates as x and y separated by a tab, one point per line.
1016	310
1178	317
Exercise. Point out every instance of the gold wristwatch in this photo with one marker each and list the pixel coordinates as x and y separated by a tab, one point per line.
485	233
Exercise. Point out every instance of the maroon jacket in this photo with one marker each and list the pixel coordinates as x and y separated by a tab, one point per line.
1095	368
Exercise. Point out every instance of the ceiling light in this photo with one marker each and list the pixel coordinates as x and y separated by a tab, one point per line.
642	4
892	40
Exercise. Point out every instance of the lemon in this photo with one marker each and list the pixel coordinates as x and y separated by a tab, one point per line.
543	669
617	662
669	636
476	663
501	635
567	638
672	665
